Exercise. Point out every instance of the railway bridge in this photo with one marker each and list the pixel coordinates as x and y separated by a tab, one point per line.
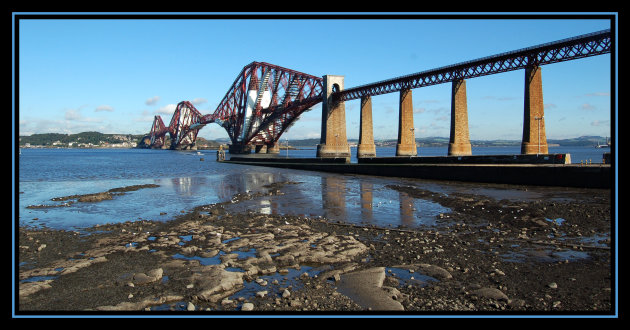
266	99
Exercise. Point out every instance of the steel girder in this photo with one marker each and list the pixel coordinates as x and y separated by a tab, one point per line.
279	97
185	125
591	44
158	132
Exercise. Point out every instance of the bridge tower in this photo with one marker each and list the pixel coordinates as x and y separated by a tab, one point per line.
406	138
333	140
459	143
534	137
366	147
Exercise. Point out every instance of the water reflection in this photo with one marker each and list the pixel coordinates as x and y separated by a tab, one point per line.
406	209
235	183
334	197
366	200
361	201
188	186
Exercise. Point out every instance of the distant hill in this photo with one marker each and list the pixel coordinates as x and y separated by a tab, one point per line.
101	140
84	139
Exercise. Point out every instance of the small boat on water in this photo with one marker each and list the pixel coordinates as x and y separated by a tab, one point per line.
607	145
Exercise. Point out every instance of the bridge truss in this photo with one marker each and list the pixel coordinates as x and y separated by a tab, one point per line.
592	44
262	103
265	99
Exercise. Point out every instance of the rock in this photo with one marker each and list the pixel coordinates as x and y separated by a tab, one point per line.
156	273
215	283
491	293
190	307
153	275
286	293
261	294
430	270
366	286
247	307
552	285
516	303
141	278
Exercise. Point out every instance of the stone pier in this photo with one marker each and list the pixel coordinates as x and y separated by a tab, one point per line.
406	138
333	140
273	149
366	147
261	149
459	143
534	137
238	148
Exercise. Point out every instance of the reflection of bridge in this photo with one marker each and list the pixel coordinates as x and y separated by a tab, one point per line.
266	99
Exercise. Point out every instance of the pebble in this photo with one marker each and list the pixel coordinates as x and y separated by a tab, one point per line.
247	307
552	285
286	293
190	307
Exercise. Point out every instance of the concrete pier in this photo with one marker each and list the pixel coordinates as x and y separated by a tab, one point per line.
261	149
239	149
333	140
534	137
459	143
406	138
366	147
547	172
273	149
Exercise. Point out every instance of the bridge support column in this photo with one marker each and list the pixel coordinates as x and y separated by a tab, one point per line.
534	137
240	148
261	149
333	140
366	146
273	149
406	138
459	143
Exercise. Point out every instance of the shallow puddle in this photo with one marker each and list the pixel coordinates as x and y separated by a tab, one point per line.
544	255
407	277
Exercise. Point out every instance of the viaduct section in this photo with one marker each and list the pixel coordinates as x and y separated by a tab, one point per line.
333	136
265	100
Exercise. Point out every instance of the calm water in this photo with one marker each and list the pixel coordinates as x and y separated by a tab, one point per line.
185	181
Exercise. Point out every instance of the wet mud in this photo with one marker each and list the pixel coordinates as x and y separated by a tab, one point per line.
91	198
512	254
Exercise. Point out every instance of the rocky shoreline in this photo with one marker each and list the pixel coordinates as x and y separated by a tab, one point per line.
489	256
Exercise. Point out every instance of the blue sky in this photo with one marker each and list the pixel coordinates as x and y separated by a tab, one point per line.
114	75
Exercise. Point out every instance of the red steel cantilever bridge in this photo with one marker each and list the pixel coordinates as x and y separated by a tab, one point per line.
263	102
265	99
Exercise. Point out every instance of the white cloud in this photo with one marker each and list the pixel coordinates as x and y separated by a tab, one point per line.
600	123
104	108
75	115
598	94
550	106
198	101
167	109
152	100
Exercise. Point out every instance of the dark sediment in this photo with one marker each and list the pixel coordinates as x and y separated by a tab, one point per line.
550	255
